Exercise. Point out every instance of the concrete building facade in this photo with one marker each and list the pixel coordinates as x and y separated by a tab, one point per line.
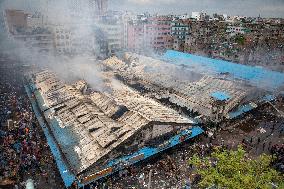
63	40
113	29
179	30
234	30
158	33
16	20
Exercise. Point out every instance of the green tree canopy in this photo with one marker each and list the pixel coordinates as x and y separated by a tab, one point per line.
233	169
240	39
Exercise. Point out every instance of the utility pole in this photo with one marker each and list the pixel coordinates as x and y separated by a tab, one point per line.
150	177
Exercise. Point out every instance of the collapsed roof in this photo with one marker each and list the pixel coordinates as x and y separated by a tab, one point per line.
180	85
88	127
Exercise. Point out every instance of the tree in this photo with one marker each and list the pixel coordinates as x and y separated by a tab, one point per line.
240	39
233	169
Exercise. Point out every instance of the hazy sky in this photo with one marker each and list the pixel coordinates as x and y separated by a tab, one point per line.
266	8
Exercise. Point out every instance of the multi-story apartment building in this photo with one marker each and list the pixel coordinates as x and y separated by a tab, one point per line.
135	35
114	31
63	39
15	21
149	33
101	6
39	39
200	36
199	16
101	50
36	38
36	20
180	29
157	33
126	18
234	30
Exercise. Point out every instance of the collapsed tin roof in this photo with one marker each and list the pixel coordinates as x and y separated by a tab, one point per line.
180	85
88	127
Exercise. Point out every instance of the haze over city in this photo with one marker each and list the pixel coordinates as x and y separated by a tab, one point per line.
265	8
142	94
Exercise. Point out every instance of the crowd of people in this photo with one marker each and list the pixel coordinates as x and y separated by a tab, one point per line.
25	154
277	151
172	169
24	151
168	170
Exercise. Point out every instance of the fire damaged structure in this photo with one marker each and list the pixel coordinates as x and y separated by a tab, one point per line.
96	133
191	90
144	106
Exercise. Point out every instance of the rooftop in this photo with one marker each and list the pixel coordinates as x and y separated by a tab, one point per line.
180	85
88	127
256	76
219	95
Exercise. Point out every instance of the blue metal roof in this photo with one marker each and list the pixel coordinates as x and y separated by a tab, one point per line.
269	98
219	95
66	140
67	176
257	76
241	110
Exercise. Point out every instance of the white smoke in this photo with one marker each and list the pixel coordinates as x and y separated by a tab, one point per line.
81	65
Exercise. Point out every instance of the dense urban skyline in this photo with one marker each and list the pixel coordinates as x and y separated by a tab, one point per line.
266	8
141	93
